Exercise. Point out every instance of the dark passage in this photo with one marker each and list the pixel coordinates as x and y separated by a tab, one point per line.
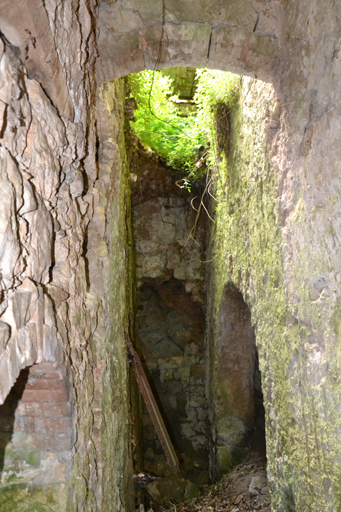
239	415
171	332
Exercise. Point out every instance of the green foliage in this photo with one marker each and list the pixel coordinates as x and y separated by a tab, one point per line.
158	121
215	89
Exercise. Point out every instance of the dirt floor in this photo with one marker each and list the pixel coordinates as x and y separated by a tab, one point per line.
243	489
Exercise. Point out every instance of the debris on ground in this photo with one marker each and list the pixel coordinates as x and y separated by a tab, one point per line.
243	489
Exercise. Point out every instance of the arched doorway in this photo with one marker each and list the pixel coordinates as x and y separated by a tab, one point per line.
36	440
237	408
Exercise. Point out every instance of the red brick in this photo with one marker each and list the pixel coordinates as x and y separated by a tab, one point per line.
47	425
47	367
45	384
41	396
47	410
45	370
58	442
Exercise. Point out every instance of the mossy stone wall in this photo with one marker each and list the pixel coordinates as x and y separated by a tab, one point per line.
110	276
298	345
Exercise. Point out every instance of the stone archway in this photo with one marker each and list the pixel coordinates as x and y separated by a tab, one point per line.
241	37
54	156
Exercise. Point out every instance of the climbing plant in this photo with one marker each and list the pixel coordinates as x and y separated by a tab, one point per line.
158	122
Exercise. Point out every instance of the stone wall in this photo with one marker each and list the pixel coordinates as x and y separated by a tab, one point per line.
184	83
170	318
262	221
63	281
237	37
110	255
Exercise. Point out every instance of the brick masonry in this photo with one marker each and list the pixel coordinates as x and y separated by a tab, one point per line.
36	428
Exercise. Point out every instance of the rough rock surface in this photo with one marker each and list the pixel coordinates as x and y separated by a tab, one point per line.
270	204
60	209
63	281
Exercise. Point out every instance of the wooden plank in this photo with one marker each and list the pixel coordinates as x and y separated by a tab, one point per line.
152	407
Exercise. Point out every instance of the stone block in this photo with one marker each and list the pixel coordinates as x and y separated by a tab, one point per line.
32	441
197	401
198	370
188	43
43	367
120	65
191	491
173	385
154	266
172	487
243	52
16	459
182	373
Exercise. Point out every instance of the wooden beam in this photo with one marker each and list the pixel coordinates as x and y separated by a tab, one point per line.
152	407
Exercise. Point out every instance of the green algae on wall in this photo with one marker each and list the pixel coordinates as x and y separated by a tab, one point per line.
23	498
245	241
118	490
247	249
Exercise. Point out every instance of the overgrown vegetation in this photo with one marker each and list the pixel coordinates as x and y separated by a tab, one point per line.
158	122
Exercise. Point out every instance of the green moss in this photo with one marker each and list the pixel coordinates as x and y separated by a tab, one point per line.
302	423
116	450
23	498
225	459
15	458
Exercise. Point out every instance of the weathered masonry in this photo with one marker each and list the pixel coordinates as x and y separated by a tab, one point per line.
67	258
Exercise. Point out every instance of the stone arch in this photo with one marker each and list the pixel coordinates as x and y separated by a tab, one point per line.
241	37
37	434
